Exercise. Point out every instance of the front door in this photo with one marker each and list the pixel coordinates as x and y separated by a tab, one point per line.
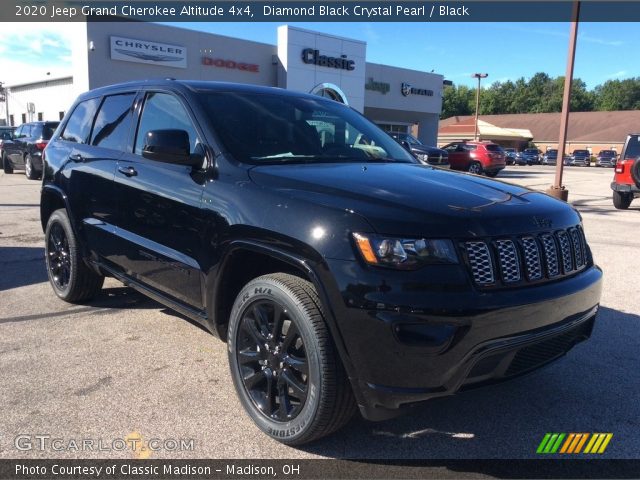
160	222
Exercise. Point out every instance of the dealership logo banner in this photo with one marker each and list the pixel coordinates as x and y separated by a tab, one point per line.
145	51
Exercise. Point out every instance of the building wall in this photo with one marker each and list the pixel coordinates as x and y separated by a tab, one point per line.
386	102
50	99
103	70
295	74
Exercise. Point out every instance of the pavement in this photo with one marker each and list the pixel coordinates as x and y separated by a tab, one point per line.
124	366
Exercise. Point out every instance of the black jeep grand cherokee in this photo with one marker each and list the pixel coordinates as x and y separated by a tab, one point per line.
340	275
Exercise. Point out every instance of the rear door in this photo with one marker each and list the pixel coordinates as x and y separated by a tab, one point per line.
160	223
93	139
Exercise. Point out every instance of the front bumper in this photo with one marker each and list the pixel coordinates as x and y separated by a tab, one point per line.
464	337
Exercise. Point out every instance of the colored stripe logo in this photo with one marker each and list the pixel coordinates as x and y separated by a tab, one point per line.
593	443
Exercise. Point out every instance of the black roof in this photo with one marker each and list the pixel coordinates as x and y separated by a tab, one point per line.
192	86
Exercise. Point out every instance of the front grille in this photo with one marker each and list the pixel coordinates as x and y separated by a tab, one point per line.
529	258
437	159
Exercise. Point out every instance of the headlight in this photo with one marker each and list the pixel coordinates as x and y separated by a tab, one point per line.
423	157
404	253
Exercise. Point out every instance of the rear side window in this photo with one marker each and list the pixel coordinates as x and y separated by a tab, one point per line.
48	129
633	148
78	127
470	148
164	111
113	122
36	131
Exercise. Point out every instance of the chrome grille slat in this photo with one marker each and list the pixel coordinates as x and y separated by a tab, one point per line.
508	261
529	258
577	248
565	251
551	255
480	261
533	267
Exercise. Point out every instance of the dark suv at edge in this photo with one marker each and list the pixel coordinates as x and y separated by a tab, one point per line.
430	155
338	276
24	149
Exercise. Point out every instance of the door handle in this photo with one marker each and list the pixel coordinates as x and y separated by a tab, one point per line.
76	157
128	171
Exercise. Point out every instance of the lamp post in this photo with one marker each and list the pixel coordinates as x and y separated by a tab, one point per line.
558	190
479	76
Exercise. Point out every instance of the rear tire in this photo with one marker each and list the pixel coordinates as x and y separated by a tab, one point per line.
29	170
284	364
6	164
475	168
635	172
622	200
71	278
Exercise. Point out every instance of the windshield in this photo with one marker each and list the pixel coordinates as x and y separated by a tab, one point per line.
581	152
552	153
493	147
263	128
531	150
607	153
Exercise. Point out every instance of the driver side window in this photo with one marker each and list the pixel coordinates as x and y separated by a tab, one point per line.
163	111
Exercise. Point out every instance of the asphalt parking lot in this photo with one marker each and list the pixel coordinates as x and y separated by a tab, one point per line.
124	365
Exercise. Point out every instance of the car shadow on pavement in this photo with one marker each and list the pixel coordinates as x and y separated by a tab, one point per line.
592	389
21	266
129	298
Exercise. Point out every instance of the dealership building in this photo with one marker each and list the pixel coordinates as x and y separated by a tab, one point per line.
104	53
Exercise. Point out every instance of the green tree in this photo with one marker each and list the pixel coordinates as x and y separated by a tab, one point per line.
618	95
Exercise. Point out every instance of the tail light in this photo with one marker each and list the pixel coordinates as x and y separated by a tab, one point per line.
620	168
41	145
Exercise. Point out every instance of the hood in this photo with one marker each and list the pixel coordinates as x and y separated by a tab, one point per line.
413	199
428	150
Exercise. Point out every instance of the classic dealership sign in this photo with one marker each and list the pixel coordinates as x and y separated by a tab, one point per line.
407	90
144	51
231	64
313	57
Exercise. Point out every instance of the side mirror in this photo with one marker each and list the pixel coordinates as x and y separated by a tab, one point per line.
169	146
406	145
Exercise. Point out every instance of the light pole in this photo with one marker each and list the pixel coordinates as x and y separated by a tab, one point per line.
558	190
479	76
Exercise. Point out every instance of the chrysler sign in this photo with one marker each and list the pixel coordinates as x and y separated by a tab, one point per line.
144	51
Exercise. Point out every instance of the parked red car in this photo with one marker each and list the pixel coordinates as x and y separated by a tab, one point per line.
626	180
476	157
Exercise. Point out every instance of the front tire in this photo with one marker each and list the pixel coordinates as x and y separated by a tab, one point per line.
622	200
283	361
72	280
6	164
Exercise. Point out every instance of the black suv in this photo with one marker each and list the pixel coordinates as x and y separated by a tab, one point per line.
426	154
339	276
24	149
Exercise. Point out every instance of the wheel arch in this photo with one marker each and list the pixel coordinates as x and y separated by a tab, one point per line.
226	283
53	198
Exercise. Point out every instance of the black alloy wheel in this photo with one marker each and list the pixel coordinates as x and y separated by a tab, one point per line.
284	364
58	257
72	279
274	365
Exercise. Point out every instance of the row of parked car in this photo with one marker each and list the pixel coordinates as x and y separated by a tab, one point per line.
578	158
